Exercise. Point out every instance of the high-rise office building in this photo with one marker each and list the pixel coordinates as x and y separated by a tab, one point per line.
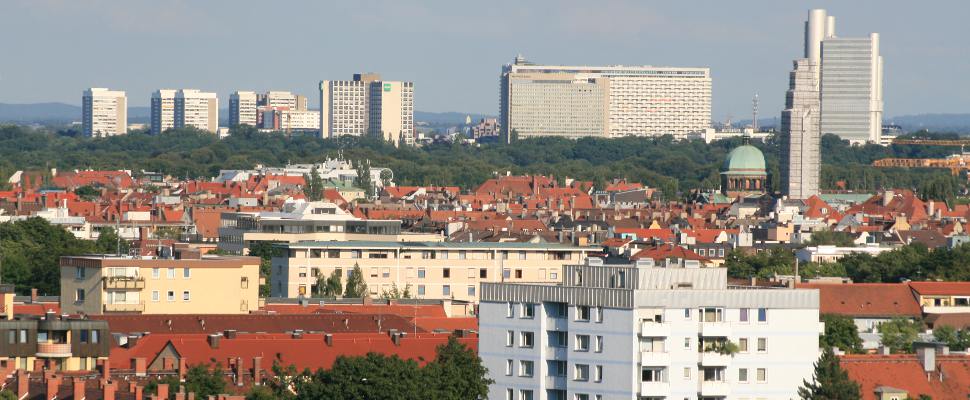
609	101
163	110
196	109
104	112
289	100
851	80
645	332
368	105
242	108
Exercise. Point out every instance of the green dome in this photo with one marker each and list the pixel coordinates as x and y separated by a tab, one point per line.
744	160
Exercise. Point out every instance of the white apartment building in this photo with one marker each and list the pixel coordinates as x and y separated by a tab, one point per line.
242	108
163	110
282	99
104	112
368	105
607	101
852	88
197	109
637	332
282	119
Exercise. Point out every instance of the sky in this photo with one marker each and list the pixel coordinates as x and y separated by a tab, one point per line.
453	51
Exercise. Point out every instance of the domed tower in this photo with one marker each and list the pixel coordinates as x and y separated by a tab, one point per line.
744	172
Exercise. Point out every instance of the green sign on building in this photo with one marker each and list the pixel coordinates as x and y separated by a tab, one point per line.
387	87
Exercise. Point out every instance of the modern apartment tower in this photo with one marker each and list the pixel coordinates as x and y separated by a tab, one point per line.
608	101
852	88
242	108
368	105
104	112
645	332
196	109
163	110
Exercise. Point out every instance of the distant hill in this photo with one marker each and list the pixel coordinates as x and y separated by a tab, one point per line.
954	123
446	118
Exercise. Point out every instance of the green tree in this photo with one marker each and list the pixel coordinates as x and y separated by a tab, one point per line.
397	293
828	237
457	373
260	393
830	381
205	380
265	251
313	185
109	242
363	179
7	395
356	287
840	332
899	334
331	286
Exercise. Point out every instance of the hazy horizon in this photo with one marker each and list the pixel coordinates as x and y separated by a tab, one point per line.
454	51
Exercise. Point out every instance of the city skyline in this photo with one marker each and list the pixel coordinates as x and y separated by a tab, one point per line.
734	42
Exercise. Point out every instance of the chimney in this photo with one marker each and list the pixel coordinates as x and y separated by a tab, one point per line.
238	370
139	364
214	340
33	296
887	196
162	391
297	334
931	208
229	333
106	369
328	339
396	339
257	370
927	357
139	392
109	389
53	382
79	388
183	368
23	384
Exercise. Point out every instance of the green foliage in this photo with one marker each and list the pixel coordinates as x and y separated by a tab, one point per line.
7	395
331	286
841	332
313	189
205	380
356	287
88	192
110	243
260	393
899	334
265	251
30	252
397	293
830	381
763	265
957	340
172	381
363	179
457	373
827	237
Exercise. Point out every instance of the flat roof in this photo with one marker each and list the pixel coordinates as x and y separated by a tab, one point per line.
306	244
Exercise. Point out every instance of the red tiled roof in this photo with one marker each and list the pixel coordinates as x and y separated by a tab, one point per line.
404	310
184	324
866	299
941	288
904	371
663	252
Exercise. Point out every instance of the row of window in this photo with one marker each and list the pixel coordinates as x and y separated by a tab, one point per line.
581	372
556	310
556	339
170	295
716	314
651	374
526	394
19	336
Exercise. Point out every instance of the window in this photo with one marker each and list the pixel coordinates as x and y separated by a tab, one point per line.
508	367
421	290
155	295
518	274
171	295
582	396
528	310
598	314
471	290
483	273
356	253
743	375
462	254
711	314
525	368
557	310
511	310
170	273
78	272
446	273
509	393
762	345
525	394
509	338
556	367
598	373
156	273
557	338
526	339
743	345
744	315
185	295
446	290
720	252
599	344
686	313
762	315
79	296
582	313
762	375
471	273
94	336
686	373
506	273
23	336
652	374
421	273
582	343
186	273
522	255
581	372
687	343
12	336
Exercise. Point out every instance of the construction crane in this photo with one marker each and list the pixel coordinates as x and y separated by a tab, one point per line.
955	163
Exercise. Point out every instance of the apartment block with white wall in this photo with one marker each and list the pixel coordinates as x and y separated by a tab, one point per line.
197	109
163	110
243	108
104	112
638	332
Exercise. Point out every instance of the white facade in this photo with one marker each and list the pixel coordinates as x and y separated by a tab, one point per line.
291	120
852	88
242	108
163	110
104	112
621	332
196	109
368	105
285	99
608	101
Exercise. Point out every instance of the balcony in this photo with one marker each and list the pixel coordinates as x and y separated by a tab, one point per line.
715	389
557	323
654	358
125	307
54	350
654	389
654	329
556	353
714	359
715	329
556	382
124	282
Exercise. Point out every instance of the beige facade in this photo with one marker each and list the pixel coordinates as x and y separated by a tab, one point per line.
163	110
368	105
197	109
431	270
111	284
104	112
242	108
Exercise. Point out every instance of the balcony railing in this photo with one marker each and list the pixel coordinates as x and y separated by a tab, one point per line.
53	350
125	307
556	382
715	388
654	389
124	282
654	329
654	358
715	329
714	359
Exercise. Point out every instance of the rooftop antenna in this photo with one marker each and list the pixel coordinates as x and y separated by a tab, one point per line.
754	113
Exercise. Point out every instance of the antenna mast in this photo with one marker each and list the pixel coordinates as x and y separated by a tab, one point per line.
754	113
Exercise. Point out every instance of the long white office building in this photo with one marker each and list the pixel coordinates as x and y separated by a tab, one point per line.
643	332
197	109
104	112
163	110
606	101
